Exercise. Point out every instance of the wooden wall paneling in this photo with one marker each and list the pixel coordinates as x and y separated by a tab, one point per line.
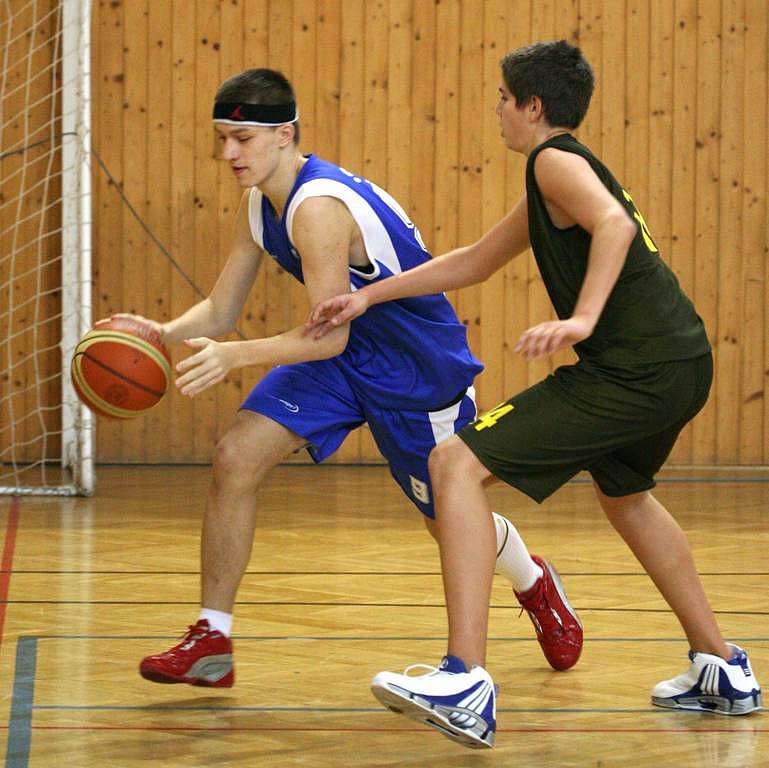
207	78
26	174
26	171
181	294
108	115
135	167
486	122
763	247
399	102
754	202
683	188
421	197
730	335
10	177
613	87
590	32
47	306
327	89
678	111
657	215
469	200
637	108
158	202
707	212
444	236
516	369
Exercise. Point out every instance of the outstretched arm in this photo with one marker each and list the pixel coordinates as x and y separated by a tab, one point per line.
461	267
322	232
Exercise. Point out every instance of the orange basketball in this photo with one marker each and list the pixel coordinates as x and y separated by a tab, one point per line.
121	368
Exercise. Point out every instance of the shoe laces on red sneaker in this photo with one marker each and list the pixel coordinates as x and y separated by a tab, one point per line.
558	628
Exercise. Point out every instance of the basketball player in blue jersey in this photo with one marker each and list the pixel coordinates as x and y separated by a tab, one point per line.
644	370
404	369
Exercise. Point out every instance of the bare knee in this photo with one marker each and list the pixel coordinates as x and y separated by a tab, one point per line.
243	455
453	460
618	507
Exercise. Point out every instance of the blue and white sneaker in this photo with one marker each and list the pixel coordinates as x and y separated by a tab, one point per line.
712	685
460	704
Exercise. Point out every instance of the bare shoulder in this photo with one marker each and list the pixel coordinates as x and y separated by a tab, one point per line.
551	163
321	213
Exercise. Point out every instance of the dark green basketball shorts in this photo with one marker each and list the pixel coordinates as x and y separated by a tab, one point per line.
618	424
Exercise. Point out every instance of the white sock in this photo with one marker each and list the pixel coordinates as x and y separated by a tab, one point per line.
218	620
513	559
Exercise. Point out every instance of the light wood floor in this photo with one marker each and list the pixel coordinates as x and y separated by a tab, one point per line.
344	582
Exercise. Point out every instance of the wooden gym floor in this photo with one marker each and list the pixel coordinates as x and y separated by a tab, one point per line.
344	582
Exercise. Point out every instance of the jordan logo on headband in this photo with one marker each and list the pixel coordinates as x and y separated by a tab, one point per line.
239	113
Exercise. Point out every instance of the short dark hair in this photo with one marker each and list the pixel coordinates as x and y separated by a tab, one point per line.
555	71
258	86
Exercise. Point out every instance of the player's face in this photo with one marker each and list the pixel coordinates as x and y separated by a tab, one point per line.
251	151
512	120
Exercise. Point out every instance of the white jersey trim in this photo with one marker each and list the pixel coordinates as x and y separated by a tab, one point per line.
443	421
376	239
255	222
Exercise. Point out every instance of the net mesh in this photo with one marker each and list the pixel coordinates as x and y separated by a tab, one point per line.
35	411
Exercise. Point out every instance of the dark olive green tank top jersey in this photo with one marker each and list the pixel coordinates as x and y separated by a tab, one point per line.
647	318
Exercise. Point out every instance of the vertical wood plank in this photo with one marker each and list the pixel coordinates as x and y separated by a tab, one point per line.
492	292
753	403
731	167
208	44
158	201
108	250
516	369
183	427
683	189
469	206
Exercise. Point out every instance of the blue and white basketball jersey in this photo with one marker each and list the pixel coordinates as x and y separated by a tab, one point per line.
411	353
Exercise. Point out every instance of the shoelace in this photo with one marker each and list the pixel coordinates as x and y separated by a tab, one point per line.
433	670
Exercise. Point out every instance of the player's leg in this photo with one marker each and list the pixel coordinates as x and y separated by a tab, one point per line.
253	445
406	439
305	404
468	545
720	678
660	545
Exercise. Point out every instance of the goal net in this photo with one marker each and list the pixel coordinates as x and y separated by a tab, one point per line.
46	436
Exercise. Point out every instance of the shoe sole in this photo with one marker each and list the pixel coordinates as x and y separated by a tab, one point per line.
216	680
411	706
718	705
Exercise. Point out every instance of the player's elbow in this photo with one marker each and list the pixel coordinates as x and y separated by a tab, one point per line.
337	340
623	226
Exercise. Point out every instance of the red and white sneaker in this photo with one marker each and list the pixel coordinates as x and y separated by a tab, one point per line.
204	657
559	629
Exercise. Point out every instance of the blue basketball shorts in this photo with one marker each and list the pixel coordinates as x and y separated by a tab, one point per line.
315	401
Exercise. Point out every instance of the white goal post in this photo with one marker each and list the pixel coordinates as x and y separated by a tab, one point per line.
46	435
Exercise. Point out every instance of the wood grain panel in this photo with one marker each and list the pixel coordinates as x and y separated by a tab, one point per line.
403	92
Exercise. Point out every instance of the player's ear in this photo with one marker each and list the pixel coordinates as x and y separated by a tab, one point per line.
535	108
286	134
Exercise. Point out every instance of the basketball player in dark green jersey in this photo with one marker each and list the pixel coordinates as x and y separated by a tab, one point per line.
644	370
